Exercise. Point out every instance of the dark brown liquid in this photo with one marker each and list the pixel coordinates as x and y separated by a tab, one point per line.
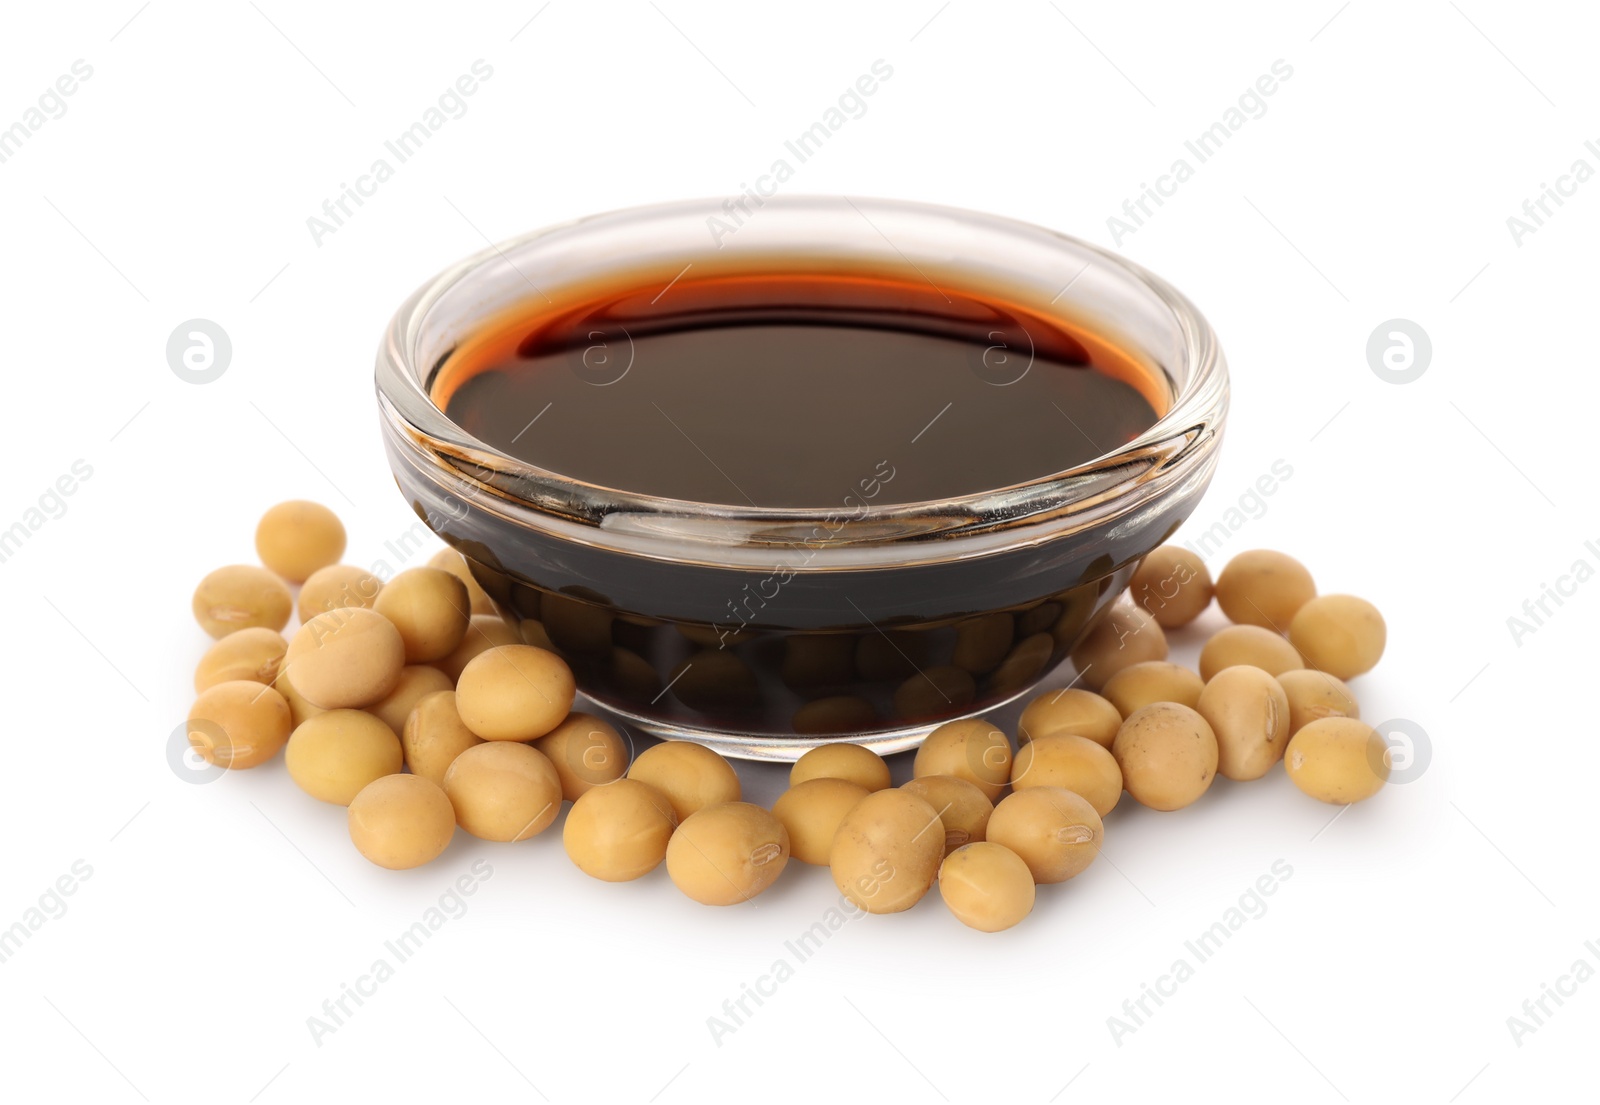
795	393
827	391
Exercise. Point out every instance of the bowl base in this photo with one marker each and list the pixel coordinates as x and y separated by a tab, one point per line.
787	748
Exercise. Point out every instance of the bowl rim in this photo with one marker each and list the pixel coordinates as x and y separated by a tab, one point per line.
1178	449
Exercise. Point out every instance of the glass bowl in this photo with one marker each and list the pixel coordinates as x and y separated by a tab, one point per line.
765	631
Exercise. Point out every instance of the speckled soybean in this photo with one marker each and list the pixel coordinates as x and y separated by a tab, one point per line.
1168	755
887	851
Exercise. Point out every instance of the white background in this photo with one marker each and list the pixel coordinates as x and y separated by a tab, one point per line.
218	918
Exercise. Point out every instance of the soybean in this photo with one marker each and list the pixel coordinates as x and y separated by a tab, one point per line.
1168	755
241	596
1339	634
887	851
1071	710
834	715
416	682
1264	588
970	749
811	811
333	755
296	538
337	587
728	853
345	658
430	608
484	631
934	692
238	724
1073	763
963	809
586	752
453	562
859	765
1152	681
618	831
690	775
514	693
1338	760
401	821
1055	832
251	654
986	886
1249	714
1248	644
434	735
503	791
1316	694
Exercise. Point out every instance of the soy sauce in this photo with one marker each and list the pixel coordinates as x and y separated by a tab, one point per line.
788	392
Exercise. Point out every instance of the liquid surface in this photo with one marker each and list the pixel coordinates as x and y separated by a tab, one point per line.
795	392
